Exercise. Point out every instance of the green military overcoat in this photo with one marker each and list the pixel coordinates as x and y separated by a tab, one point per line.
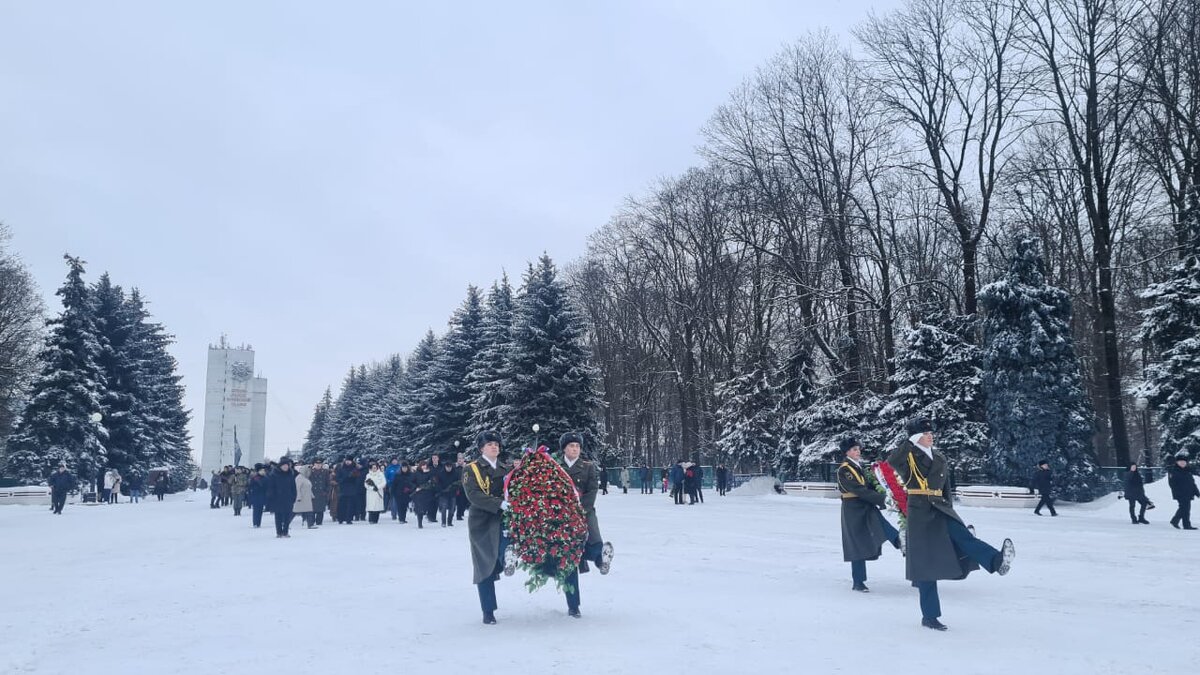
930	555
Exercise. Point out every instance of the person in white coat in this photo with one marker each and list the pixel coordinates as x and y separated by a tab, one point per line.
375	483
304	498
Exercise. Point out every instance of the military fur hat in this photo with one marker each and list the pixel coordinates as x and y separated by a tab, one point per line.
568	438
919	425
485	437
848	444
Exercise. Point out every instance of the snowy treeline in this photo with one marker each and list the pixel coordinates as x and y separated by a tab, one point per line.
507	361
824	271
107	393
20	335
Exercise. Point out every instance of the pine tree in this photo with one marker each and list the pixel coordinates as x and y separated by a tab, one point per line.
814	432
314	443
162	416
488	371
410	421
795	392
343	426
1036	406
56	426
449	398
749	412
1171	326
549	375
126	437
938	377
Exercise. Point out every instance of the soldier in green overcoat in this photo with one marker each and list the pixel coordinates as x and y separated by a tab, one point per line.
586	476
864	529
939	544
483	483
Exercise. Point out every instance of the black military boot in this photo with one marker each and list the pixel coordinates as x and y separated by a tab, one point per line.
861	588
489	618
934	624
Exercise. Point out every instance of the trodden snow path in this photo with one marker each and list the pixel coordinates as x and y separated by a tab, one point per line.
735	585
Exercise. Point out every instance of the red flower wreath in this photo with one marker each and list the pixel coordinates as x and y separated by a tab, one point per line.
546	524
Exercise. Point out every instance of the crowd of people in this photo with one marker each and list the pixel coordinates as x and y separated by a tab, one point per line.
352	491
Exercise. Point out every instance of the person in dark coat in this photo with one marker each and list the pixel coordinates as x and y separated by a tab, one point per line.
1183	491
1043	482
676	478
281	496
424	492
698	477
647	485
939	545
160	486
446	485
483	481
435	467
61	482
348	477
586	476
722	480
320	478
864	529
402	489
1135	493
689	482
461	503
256	494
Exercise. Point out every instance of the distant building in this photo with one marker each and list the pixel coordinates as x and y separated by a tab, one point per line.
235	409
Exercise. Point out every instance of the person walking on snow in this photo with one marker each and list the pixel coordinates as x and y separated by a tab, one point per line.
1135	494
585	475
304	499
1043	482
1183	491
940	547
374	486
256	494
61	482
864	529
483	482
281	496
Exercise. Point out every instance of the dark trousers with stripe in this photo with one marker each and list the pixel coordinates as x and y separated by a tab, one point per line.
965	544
487	587
858	568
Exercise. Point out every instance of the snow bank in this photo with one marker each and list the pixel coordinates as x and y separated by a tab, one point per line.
762	485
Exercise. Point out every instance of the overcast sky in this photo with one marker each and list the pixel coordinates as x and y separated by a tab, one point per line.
323	180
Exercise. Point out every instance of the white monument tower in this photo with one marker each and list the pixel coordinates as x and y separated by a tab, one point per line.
235	409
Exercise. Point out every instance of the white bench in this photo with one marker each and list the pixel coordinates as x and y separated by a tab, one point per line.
971	495
25	494
807	489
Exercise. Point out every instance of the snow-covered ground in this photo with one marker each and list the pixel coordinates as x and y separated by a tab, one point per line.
738	585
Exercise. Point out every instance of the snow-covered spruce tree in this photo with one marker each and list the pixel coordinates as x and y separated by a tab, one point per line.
314	442
160	395
126	444
488	373
410	417
450	399
748	416
1171	326
550	377
795	390
814	432
158	412
1036	406
938	376
56	426
344	425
